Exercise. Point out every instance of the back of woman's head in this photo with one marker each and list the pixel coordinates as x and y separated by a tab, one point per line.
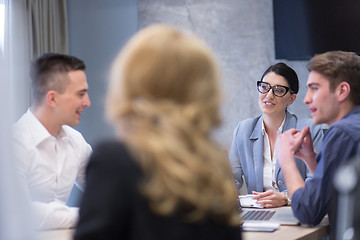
164	100
162	65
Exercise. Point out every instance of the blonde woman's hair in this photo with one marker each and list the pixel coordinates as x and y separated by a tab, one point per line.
163	99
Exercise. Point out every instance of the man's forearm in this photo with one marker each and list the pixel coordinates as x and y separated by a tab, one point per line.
293	179
311	163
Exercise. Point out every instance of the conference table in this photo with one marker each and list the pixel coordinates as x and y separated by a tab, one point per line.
292	232
283	232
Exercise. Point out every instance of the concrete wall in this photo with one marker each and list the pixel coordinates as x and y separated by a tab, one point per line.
242	36
239	31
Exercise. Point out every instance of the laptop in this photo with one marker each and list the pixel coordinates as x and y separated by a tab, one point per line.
255	218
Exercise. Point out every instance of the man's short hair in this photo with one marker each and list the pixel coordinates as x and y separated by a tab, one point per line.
49	72
337	67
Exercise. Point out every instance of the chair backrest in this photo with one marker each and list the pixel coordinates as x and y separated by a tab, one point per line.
347	185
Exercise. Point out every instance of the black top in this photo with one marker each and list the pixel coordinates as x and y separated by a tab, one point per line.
113	208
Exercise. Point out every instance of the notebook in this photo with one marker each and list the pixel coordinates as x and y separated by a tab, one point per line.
260	219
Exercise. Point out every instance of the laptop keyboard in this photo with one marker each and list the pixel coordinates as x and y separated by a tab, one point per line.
259	215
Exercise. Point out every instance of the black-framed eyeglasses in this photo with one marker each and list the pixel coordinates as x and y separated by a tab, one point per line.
278	90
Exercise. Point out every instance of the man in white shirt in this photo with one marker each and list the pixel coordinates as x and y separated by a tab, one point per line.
50	155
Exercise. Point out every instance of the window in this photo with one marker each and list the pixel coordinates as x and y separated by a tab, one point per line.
2	24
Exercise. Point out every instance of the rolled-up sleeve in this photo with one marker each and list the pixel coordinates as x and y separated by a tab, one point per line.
312	202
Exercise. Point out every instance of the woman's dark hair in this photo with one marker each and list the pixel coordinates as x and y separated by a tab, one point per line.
287	72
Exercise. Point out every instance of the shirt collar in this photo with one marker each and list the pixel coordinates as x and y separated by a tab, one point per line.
279	131
354	110
40	133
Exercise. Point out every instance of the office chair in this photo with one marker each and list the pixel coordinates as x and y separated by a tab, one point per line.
347	185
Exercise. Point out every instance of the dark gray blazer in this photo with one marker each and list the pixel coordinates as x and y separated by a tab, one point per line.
246	152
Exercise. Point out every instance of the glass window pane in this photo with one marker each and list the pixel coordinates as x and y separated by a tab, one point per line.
2	24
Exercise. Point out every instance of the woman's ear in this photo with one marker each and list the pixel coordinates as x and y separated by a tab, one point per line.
292	99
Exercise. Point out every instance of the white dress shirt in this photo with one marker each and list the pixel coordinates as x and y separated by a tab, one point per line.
270	162
48	167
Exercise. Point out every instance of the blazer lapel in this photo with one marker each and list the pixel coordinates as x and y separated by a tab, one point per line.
290	122
257	139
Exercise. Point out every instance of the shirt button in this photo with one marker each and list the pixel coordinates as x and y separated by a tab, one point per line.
280	182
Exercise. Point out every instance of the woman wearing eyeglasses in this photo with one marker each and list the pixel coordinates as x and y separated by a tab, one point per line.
252	154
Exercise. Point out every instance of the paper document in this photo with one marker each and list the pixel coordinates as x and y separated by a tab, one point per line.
248	201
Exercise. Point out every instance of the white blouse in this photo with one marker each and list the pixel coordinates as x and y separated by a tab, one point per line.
270	162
